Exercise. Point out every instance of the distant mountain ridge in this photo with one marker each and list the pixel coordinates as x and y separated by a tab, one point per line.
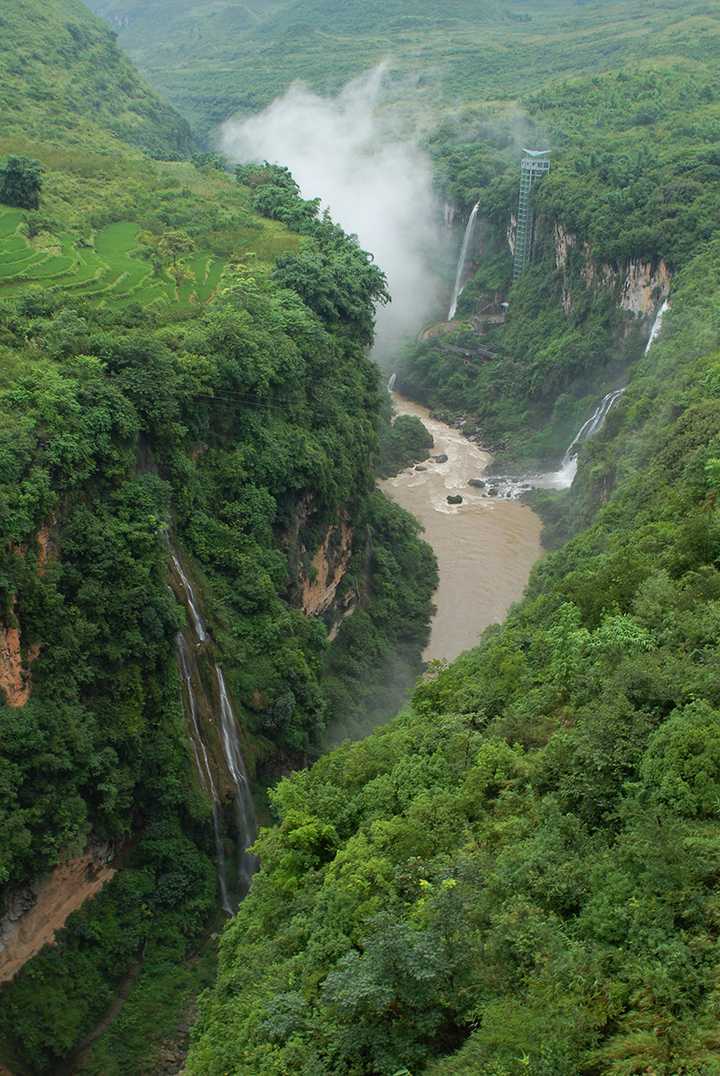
214	58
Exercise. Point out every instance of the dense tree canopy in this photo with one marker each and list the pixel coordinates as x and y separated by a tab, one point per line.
519	874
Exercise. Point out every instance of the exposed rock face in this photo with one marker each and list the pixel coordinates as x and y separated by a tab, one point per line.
329	565
643	286
14	678
33	915
15	682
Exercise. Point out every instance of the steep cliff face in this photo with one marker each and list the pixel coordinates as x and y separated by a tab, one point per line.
15	681
641	285
15	672
33	915
327	569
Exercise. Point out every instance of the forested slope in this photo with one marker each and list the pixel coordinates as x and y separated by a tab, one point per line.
633	192
176	370
215	59
64	80
519	874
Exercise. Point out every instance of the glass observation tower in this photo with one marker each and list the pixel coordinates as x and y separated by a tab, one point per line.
535	164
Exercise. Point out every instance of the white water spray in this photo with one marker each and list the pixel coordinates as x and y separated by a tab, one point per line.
391	383
197	619
467	239
202	761
563	478
512	488
657	325
244	807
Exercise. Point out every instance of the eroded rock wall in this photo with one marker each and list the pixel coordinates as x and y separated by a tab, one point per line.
642	286
327	569
34	914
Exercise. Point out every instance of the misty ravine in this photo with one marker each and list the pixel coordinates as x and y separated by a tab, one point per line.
378	184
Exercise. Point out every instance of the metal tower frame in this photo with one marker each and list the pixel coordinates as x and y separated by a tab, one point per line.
534	165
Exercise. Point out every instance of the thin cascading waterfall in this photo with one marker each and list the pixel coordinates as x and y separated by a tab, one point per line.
198	623
568	467
244	807
563	478
657	325
467	239
202	762
391	383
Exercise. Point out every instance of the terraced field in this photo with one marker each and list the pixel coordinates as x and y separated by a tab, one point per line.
111	269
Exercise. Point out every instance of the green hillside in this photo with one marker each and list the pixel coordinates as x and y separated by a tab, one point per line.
174	368
519	875
64	80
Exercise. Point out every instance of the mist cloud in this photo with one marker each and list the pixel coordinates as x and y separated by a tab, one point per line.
377	185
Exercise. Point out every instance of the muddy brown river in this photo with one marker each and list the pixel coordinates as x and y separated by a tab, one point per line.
485	548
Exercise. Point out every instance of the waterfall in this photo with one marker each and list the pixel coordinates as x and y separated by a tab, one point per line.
457	290
448	214
202	761
563	478
197	620
657	325
391	383
568	468
244	808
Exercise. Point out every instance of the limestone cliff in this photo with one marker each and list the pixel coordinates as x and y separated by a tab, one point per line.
33	915
642	286
320	581
15	679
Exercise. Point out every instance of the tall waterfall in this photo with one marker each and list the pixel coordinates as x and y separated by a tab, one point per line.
457	290
197	620
202	761
391	382
657	325
244	807
243	804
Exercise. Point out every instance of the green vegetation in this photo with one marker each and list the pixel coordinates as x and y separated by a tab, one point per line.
404	440
63	80
213	60
519	874
21	182
171	361
635	176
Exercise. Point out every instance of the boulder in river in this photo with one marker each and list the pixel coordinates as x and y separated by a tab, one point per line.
442	458
492	491
420	467
478	483
454	498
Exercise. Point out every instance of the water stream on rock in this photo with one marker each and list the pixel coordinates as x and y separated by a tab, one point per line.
244	807
467	238
246	827
657	325
513	487
202	762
